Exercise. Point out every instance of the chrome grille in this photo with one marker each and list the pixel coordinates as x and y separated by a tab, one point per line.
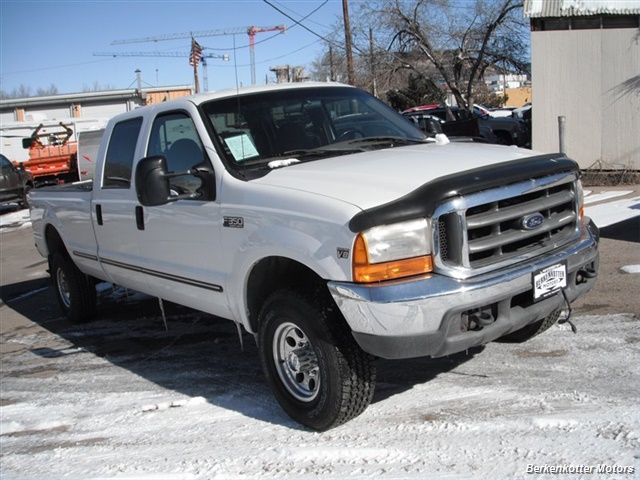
486	230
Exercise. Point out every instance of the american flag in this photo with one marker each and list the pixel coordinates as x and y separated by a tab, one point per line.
196	53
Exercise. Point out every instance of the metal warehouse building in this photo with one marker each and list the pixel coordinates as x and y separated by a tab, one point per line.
81	111
585	64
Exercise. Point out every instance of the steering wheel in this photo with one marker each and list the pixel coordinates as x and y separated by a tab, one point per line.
350	134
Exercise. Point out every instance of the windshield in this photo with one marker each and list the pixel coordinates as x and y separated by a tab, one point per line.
306	123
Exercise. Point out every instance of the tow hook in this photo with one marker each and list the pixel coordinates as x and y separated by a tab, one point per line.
476	320
584	274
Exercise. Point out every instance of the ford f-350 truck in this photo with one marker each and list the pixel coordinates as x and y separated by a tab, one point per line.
328	226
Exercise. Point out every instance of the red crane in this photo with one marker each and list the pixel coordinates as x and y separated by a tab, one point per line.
251	31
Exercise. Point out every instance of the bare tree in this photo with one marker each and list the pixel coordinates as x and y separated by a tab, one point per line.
23	91
452	43
96	87
44	92
461	40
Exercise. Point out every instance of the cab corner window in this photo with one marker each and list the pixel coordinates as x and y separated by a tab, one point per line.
120	153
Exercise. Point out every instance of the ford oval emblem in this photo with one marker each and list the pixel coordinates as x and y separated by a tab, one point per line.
532	221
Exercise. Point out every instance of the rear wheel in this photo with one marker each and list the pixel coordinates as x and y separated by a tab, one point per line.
75	292
316	370
24	201
531	330
503	138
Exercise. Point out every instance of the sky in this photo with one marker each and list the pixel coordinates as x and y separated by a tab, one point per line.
44	43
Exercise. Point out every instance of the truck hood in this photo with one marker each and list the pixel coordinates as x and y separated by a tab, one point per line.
374	178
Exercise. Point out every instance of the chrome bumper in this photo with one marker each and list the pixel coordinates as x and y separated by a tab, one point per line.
424	316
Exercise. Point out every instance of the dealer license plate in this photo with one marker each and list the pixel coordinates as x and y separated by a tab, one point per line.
549	281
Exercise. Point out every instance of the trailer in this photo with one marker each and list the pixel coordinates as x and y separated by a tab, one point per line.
53	158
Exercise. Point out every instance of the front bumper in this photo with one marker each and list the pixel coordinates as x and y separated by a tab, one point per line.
425	316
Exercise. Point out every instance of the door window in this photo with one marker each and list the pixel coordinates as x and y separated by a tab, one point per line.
120	153
174	136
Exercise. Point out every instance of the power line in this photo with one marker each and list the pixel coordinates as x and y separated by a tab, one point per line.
298	22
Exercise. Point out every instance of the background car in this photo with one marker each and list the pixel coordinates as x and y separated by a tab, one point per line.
508	130
459	128
15	183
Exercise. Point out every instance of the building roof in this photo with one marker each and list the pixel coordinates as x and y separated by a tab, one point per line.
84	96
576	8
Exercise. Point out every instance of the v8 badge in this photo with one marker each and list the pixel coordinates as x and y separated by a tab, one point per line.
343	253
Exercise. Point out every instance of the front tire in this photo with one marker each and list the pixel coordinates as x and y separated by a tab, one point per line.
75	292
316	370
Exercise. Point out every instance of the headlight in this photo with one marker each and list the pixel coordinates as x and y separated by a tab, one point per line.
392	251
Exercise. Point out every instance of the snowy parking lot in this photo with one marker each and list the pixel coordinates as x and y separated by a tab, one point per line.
130	397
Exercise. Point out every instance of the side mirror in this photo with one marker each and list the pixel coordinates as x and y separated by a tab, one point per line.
152	181
153	187
430	126
28	142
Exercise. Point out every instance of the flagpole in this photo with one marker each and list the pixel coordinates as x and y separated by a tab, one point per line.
194	59
195	77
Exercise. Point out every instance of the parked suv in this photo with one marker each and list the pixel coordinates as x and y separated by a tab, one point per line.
15	183
508	130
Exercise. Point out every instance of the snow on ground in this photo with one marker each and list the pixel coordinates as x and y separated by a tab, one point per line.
609	213
125	399
11	218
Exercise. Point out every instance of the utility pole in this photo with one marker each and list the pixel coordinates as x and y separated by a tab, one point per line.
347	41
374	90
332	74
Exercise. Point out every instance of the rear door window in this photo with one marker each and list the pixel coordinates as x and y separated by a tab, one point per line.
120	154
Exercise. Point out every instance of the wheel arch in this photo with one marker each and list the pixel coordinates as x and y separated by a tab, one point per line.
503	136
54	242
275	273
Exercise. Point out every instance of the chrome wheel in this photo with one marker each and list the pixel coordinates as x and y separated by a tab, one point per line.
296	362
63	288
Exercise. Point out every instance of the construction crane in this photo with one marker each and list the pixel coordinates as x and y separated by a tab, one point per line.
251	31
205	78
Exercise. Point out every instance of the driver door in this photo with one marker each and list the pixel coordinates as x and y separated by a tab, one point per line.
180	241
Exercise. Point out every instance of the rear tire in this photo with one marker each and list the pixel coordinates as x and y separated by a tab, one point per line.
24	201
503	138
531	330
75	292
316	370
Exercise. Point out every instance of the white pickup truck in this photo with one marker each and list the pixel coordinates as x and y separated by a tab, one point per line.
328	226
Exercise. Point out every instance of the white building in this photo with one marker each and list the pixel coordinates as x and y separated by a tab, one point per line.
499	83
585	57
19	117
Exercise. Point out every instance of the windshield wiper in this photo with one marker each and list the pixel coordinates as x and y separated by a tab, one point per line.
390	140
328	150
292	157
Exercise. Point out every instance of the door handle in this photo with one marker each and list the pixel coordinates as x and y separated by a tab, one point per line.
139	218
99	214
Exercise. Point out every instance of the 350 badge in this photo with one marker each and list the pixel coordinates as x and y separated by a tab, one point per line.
233	222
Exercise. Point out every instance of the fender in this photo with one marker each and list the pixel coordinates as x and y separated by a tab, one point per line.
320	256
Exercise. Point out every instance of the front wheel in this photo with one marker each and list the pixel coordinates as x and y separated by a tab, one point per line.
316	370
75	292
